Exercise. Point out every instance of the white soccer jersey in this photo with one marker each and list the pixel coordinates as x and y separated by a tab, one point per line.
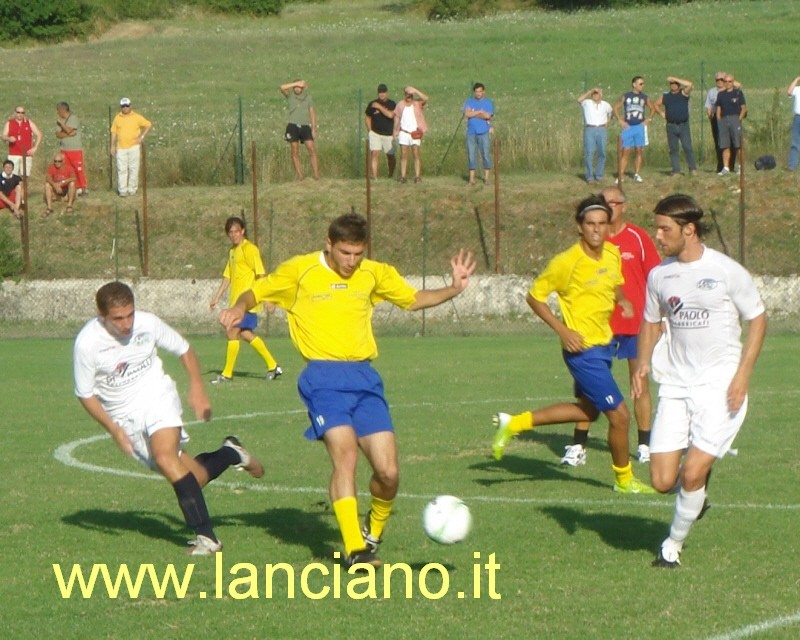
703	302
124	375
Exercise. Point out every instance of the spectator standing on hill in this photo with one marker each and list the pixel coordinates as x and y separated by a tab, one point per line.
587	279
794	151
673	105
302	125
10	190
128	130
409	127
711	112
731	110
639	256
59	182
329	296
120	382
704	381
24	138
634	123
479	111
243	268
379	117
68	132
596	115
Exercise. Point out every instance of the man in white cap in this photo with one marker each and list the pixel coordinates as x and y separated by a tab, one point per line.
128	131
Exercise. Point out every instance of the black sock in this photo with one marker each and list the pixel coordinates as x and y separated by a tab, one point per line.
644	437
579	436
193	505
217	461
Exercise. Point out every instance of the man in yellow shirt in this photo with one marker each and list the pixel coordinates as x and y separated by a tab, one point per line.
329	297
243	268
127	134
587	278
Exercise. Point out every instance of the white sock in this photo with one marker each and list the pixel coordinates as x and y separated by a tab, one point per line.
687	507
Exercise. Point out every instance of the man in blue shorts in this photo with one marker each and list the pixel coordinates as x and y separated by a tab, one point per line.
587	278
329	296
634	126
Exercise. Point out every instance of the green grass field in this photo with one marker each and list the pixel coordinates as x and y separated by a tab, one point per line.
574	557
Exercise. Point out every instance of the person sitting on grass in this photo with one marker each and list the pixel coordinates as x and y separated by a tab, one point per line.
60	181
10	191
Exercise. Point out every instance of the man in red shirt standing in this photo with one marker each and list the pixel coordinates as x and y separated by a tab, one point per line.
639	256
60	181
23	137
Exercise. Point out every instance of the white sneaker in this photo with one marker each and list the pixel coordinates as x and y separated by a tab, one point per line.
575	455
725	172
203	546
637	178
644	453
249	462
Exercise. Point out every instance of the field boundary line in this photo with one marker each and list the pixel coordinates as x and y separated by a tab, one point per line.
758	627
65	454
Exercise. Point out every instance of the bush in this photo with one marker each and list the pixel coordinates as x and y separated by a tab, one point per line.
575	5
457	9
45	20
247	7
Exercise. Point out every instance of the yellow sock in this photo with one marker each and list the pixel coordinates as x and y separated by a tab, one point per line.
379	513
346	510
624	474
521	422
231	353
261	349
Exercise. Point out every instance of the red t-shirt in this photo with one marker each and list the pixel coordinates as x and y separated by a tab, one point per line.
22	131
639	256
64	172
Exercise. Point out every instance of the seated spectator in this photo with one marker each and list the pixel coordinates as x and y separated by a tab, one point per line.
10	191
60	181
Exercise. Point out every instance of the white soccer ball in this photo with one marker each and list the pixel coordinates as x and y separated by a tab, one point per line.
446	520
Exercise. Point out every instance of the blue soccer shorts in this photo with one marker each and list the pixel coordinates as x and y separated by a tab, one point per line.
343	394
591	370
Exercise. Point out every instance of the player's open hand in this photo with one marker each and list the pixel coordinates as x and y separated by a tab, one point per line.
463	266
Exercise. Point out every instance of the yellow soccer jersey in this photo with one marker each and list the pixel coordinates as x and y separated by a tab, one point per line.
244	265
330	317
586	290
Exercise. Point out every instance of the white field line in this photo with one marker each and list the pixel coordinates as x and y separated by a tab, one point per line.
65	454
752	629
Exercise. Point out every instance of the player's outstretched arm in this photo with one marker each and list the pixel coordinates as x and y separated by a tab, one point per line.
232	316
197	397
462	266
95	409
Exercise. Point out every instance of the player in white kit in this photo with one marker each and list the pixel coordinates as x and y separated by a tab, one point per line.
704	372
120	381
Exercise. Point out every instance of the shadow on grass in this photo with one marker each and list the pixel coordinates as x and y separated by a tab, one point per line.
292	526
297	527
153	525
624	532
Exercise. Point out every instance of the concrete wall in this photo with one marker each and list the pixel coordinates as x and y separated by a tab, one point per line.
187	301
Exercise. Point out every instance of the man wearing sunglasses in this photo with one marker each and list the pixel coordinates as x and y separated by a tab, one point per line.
23	137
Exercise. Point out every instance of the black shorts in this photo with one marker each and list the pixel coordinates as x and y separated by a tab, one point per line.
298	133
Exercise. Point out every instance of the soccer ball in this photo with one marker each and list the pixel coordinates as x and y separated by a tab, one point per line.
446	520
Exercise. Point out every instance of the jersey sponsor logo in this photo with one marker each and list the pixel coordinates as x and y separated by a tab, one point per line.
707	284
690	318
124	374
627	255
339	285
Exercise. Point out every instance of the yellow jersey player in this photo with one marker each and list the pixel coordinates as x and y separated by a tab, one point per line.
587	278
244	267
329	297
